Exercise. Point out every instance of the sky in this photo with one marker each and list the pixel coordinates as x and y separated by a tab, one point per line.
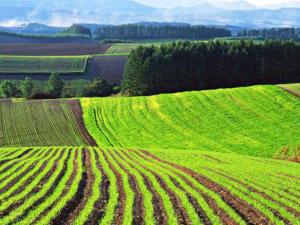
172	3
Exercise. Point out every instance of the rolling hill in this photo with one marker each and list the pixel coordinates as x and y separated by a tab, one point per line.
257	121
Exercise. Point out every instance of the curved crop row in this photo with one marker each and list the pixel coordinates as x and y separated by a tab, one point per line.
256	121
76	185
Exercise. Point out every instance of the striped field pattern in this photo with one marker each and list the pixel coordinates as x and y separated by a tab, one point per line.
76	185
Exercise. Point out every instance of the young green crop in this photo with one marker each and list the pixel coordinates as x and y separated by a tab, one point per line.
43	64
256	121
39	123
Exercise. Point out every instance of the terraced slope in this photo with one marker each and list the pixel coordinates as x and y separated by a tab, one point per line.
96	186
41	123
257	121
42	64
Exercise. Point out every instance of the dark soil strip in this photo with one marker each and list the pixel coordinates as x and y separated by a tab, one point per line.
177	205
201	214
50	191
254	190
35	190
27	182
138	205
15	180
119	211
244	209
99	207
64	192
213	159
77	111
159	210
17	157
72	208
224	217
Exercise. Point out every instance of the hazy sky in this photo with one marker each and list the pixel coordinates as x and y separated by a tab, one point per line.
172	3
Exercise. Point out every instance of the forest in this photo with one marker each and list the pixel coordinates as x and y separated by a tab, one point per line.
142	31
185	66
272	33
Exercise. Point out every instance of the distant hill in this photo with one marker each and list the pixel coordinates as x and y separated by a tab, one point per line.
77	29
64	13
33	28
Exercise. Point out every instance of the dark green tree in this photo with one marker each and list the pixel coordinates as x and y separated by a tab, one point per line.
98	88
56	84
9	89
27	87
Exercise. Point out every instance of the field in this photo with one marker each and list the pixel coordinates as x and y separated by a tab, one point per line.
43	64
292	88
126	48
100	186
188	158
41	123
53	49
257	121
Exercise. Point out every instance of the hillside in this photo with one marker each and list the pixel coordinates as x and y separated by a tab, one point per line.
72	185
40	123
257	121
42	64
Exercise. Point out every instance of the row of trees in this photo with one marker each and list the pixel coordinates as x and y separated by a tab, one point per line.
142	31
186	66
273	33
56	88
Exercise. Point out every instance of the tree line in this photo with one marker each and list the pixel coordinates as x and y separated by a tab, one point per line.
185	66
142	31
272	33
56	87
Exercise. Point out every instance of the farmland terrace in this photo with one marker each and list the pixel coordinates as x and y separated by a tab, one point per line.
186	158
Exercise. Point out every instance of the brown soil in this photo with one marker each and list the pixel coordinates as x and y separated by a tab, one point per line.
99	207
50	191
73	206
17	157
138	205
15	180
33	191
254	190
213	159
177	205
159	210
201	214
67	188
54	49
119	212
244	209
77	110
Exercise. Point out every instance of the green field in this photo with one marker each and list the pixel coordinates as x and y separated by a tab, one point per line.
102	186
126	48
192	158
293	88
43	64
257	121
39	123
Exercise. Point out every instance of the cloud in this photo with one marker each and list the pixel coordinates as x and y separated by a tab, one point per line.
12	23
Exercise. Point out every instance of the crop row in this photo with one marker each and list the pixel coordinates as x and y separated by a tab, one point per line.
43	64
103	186
257	121
39	123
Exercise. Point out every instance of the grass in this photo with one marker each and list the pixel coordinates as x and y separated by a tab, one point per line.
43	64
197	186
293	88
256	121
39	123
126	48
